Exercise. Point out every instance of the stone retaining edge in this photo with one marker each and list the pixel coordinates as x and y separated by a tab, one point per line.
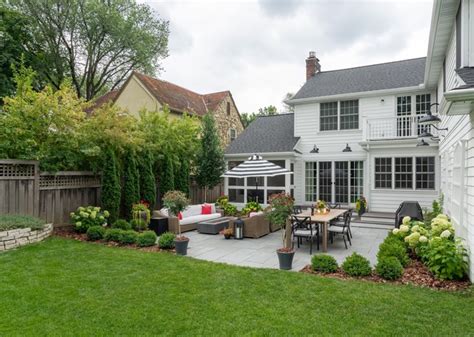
14	238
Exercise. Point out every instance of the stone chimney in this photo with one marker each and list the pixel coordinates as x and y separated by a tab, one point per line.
312	65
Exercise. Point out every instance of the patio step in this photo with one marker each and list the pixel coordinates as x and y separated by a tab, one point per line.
375	220
371	226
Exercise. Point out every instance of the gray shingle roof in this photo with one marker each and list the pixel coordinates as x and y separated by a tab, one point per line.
390	75
467	75
266	134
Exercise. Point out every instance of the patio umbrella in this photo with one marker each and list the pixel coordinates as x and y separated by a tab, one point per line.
256	166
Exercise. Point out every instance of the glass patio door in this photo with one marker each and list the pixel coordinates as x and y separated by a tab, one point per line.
325	181
341	182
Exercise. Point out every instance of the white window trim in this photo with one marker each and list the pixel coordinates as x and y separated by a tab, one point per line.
413	174
339	117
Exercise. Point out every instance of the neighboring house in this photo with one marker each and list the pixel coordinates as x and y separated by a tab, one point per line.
355	131
144	92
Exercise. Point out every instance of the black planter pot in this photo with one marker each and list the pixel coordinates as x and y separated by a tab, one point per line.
285	259
181	247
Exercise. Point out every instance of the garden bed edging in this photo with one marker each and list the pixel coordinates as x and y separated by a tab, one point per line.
14	238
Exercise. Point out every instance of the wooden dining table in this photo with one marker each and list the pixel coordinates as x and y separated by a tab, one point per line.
324	220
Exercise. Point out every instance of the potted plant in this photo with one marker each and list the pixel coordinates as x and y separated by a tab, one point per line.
141	211
251	207
361	206
281	208
321	207
176	202
227	232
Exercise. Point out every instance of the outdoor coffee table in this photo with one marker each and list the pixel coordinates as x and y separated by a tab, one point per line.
214	226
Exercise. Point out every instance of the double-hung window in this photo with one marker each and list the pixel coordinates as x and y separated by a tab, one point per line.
343	115
383	172
425	173
328	119
404	173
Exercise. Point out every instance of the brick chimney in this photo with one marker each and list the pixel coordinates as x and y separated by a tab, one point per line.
312	65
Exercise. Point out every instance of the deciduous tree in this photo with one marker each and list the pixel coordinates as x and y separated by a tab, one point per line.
94	43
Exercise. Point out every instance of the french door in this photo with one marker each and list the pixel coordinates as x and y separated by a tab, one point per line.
339	182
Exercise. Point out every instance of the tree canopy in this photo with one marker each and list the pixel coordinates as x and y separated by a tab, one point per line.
96	44
248	118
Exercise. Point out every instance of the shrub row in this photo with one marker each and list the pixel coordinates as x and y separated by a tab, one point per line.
355	265
122	236
391	258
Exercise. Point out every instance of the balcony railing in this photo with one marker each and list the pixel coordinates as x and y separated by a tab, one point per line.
401	127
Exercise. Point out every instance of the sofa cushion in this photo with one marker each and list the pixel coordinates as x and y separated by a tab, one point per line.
255	214
206	209
198	218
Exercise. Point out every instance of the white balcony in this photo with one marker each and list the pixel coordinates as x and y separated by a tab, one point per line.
401	127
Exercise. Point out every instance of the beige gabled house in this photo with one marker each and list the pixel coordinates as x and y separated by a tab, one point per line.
144	92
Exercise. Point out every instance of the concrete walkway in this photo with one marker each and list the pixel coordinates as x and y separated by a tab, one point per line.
261	252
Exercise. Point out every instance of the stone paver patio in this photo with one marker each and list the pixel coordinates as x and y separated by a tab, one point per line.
261	252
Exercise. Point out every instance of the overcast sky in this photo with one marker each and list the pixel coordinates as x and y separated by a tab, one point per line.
257	49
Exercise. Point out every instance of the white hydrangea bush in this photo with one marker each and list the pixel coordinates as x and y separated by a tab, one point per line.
85	217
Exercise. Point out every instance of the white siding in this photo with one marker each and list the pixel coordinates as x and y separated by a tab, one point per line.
457	160
388	200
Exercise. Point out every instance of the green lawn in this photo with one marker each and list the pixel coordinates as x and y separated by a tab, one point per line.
64	287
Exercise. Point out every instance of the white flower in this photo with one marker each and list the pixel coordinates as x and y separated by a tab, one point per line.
406	220
395	231
404	228
415	228
445	234
423	239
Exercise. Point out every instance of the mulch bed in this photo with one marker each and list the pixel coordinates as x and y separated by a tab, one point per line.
70	234
416	273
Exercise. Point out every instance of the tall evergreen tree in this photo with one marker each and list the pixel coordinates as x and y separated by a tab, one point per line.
182	177
166	176
111	185
131	184
210	160
147	179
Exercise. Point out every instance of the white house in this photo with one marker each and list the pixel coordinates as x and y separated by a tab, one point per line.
355	131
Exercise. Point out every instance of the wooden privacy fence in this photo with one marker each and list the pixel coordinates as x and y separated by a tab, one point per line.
51	196
196	194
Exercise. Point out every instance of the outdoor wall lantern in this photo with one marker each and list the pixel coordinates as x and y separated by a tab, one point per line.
422	143
315	149
347	149
430	119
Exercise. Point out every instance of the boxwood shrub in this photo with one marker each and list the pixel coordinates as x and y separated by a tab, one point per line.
356	265
166	240
122	224
394	248
324	263
146	239
95	233
113	234
389	268
128	237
